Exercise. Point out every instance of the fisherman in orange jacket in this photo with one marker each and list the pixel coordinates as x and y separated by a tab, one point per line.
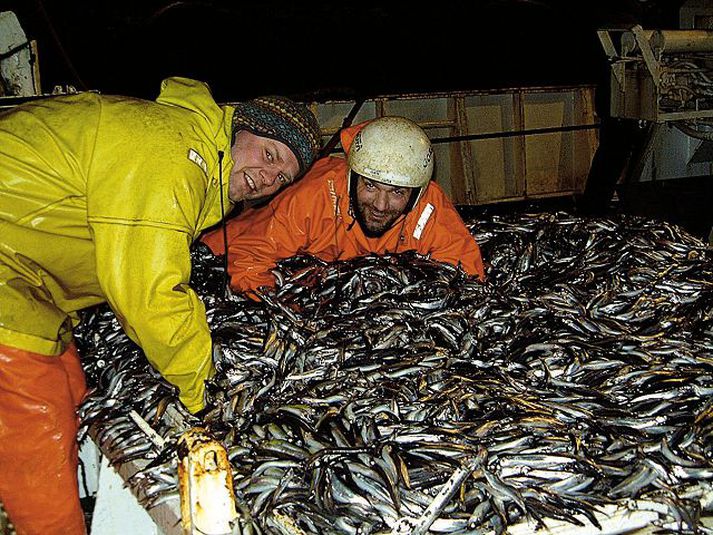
380	199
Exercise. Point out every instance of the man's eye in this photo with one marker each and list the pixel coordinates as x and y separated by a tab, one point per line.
399	192
269	155
282	178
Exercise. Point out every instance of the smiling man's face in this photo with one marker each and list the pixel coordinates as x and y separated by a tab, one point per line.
380	205
261	167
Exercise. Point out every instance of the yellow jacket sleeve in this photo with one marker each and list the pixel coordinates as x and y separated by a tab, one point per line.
144	273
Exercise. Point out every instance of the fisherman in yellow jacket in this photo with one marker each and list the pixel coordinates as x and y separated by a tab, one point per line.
101	198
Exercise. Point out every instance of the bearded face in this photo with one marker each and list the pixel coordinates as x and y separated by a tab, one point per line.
379	205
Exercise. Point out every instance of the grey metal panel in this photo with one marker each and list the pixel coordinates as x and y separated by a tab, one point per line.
482	171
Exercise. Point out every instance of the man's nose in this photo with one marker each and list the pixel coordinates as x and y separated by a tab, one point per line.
269	176
381	201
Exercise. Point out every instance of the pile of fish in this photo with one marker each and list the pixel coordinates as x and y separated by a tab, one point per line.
395	394
6	526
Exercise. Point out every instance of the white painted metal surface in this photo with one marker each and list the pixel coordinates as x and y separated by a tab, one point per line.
16	69
88	472
117	512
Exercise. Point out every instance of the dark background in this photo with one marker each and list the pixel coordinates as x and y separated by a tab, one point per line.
317	51
314	51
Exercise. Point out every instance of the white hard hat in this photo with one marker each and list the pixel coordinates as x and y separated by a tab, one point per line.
393	151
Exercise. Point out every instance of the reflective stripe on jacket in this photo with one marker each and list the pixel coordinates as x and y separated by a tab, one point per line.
312	216
100	200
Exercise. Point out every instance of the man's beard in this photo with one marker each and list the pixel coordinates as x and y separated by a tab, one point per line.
369	231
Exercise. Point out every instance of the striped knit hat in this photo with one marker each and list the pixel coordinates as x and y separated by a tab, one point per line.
284	120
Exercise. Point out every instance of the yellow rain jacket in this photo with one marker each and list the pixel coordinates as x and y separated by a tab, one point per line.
100	200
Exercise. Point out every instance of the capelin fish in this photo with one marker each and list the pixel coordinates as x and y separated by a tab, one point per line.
351	393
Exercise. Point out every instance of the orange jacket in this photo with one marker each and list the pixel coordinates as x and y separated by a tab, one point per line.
313	216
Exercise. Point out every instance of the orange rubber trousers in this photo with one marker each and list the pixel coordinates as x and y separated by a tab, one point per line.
39	395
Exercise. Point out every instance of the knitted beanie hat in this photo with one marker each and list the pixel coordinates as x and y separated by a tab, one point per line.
284	120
